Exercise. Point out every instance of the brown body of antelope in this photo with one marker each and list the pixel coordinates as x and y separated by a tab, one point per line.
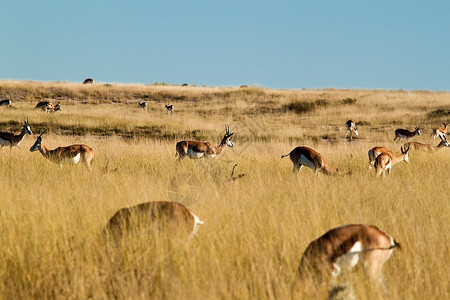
5	102
385	161
351	128
166	215
341	248
440	132
244	86
13	140
427	147
406	134
72	154
169	108
88	81
375	151
42	104
49	108
143	105
196	149
304	156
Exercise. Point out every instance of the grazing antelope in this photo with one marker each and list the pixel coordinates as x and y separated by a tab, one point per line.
42	104
165	215
5	102
11	140
88	81
304	156
196	149
351	127
169	108
375	151
234	178
403	133
143	105
49	108
427	147
65	155
341	248
440	132
384	161
244	86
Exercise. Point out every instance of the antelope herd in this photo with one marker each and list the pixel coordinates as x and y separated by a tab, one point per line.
337	251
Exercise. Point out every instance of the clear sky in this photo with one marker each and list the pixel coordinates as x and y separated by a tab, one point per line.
275	44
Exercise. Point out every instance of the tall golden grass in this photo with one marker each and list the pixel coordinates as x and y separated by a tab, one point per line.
255	228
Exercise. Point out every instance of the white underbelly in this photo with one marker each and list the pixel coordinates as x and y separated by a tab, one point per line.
347	261
306	162
193	154
74	160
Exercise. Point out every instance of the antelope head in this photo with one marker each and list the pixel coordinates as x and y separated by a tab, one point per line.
417	129
26	126
227	136
37	144
405	151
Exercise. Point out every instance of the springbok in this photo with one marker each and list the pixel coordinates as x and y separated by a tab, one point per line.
196	149
440	132
184	84
143	105
169	108
351	127
385	161
304	156
403	133
375	151
5	102
65	155
163	214
341	248
49	108
88	81
244	86
427	147
42	104
10	139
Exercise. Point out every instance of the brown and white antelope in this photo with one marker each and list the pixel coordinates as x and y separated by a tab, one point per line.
375	151
88	81
72	154
341	248
5	102
169	108
304	156
49	108
42	104
196	149
427	147
406	134
165	215
351	128
385	161
143	105
13	140
440	132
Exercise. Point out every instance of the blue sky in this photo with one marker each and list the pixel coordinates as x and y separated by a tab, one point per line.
285	44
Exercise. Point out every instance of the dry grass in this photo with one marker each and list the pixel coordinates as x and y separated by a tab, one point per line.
255	228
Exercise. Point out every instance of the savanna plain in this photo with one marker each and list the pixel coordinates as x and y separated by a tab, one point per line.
255	228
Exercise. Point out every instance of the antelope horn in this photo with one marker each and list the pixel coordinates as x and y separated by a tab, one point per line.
42	132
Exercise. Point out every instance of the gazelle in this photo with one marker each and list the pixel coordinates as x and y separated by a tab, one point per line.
88	81
341	248
375	151
244	86
169	108
196	149
72	154
351	127
427	147
49	108
10	139
403	133
384	161
304	156
440	132
143	105
5	102
164	214
42	104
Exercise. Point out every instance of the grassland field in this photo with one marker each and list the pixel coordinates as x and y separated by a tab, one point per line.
256	228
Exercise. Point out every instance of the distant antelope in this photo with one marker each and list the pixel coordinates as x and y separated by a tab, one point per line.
49	108
196	149
72	154
11	140
184	84
143	105
88	81
165	215
427	147
244	86
304	156
5	102
351	127
403	133
169	108
42	104
384	161
234	178
341	248
440	132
